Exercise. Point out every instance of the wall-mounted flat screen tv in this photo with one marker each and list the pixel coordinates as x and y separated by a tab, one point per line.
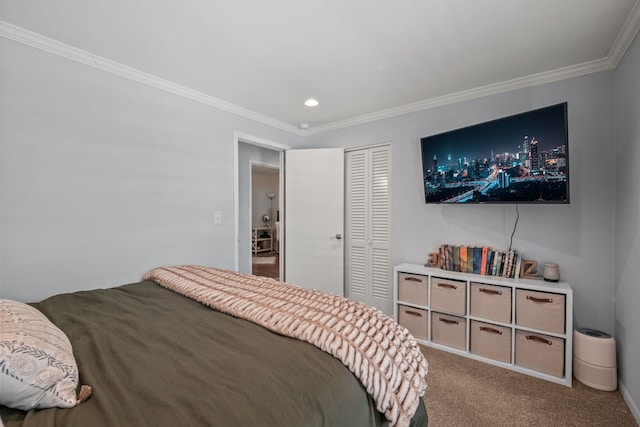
517	159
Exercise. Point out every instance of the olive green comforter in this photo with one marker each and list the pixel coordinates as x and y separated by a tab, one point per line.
156	358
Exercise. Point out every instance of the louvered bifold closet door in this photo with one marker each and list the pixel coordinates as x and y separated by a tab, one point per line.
356	225
367	223
379	229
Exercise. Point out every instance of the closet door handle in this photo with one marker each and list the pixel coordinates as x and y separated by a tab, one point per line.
338	236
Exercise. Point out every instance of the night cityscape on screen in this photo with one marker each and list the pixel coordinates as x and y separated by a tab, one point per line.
517	159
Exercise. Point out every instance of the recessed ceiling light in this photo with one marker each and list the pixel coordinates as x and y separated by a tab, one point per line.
303	125
311	102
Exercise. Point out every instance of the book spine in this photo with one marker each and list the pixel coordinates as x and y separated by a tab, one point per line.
463	258
509	266
456	258
505	260
489	262
494	266
483	260
518	265
477	260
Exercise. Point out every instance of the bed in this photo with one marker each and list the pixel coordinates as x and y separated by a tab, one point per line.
157	357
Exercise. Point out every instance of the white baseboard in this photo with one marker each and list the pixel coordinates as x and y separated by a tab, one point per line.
629	401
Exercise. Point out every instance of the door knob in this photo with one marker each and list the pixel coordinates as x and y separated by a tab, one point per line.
338	236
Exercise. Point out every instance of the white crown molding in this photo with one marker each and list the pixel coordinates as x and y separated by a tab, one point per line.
622	43
626	36
492	89
47	44
38	41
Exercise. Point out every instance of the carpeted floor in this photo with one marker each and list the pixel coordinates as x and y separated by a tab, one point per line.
465	392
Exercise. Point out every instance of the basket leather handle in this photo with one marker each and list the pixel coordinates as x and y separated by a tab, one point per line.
447	285
449	321
413	313
537	338
495	331
539	299
490	291
412	279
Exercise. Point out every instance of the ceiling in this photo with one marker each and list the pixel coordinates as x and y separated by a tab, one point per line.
362	59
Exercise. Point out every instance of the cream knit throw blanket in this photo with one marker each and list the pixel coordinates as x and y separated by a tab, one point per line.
383	355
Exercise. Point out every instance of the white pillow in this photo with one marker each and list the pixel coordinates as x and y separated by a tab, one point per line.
37	367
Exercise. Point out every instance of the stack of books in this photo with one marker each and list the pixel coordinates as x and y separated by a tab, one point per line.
480	260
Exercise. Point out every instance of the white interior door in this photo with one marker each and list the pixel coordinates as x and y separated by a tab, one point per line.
314	219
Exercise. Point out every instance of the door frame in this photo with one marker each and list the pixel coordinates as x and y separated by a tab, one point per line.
239	137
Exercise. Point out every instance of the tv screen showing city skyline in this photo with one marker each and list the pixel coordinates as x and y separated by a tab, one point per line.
517	159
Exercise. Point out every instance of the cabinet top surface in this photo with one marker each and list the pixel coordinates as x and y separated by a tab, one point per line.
537	284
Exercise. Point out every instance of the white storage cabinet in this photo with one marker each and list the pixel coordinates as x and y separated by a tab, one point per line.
525	325
262	240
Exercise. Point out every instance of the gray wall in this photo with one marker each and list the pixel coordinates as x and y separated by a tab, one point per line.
103	178
579	236
627	265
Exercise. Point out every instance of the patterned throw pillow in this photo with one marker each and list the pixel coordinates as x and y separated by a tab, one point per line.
37	367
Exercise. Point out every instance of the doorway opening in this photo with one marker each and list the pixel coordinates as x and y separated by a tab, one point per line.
249	151
265	220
